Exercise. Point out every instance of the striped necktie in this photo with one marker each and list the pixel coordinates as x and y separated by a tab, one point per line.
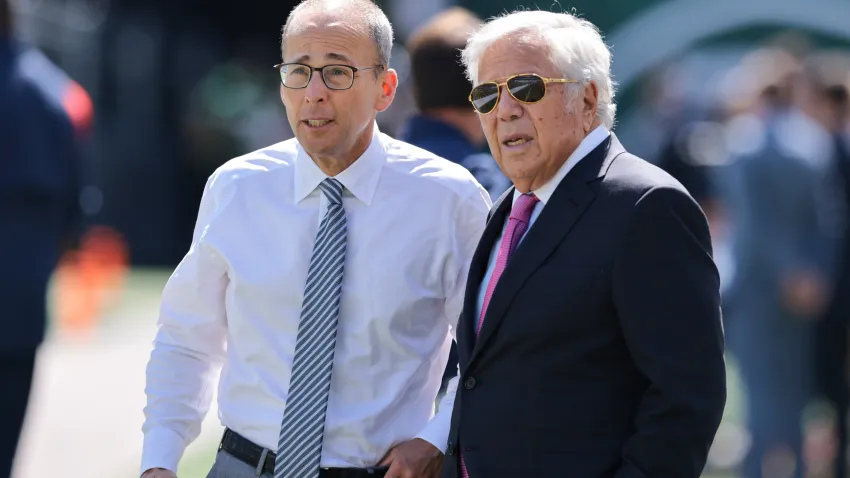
300	447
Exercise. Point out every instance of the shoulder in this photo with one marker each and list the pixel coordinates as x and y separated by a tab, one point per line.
635	188
632	176
28	93
278	158
423	169
25	96
791	139
649	206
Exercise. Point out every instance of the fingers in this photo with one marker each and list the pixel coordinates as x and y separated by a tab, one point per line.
396	471
158	473
400	469
387	460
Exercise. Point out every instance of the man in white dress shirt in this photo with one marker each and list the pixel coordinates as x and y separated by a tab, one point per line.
326	275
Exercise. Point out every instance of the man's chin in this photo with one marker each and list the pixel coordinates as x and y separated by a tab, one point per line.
314	143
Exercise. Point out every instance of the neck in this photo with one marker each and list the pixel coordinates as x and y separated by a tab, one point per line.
596	123
466	122
527	185
332	165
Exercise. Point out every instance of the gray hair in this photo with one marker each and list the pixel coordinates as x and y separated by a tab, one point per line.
575	47
365	11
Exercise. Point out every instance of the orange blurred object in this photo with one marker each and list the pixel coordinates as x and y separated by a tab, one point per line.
90	279
78	105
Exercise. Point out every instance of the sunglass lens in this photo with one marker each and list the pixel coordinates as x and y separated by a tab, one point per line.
527	88
484	97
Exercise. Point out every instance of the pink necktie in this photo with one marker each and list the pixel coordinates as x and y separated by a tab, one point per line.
517	225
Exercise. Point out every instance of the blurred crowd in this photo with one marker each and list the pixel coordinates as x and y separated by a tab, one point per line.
760	137
766	151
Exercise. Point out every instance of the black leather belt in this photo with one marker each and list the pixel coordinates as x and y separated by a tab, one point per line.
250	453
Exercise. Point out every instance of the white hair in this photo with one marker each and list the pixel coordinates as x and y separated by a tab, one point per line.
575	47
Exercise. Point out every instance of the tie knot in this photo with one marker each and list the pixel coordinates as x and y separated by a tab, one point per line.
523	206
332	189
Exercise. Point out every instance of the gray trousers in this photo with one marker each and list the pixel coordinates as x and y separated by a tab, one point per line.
226	466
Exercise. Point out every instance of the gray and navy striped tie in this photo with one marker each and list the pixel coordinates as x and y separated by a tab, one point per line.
300	447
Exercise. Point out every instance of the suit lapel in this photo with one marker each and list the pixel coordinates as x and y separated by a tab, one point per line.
477	269
569	201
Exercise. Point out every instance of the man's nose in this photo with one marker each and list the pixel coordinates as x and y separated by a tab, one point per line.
316	90
508	108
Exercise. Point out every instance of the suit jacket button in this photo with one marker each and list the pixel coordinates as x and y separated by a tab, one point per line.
469	384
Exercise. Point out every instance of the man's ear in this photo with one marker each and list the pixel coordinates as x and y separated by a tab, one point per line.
389	86
590	105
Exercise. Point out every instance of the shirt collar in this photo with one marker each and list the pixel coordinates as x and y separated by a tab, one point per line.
588	144
360	178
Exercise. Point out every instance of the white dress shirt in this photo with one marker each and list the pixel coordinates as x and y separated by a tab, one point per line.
234	301
543	193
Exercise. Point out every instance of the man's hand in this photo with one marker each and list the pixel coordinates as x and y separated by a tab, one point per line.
413	459
158	473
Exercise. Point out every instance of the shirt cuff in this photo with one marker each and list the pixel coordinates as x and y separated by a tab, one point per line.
437	433
437	430
162	448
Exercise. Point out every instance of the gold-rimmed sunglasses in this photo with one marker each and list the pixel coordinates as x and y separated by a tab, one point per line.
526	88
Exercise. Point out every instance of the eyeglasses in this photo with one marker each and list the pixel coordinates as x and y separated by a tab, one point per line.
526	88
335	77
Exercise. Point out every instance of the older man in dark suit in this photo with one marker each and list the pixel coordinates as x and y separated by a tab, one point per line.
590	342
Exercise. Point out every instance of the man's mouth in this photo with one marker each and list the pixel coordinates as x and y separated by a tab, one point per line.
316	123
517	140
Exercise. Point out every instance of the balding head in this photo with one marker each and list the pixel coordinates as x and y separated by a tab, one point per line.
359	13
332	105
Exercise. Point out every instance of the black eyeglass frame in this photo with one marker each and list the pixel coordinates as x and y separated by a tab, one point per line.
321	70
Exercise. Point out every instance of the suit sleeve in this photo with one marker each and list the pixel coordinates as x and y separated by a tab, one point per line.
667	294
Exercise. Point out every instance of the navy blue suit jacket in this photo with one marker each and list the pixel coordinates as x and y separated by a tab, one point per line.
601	351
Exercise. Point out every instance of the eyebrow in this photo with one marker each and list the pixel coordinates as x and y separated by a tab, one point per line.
329	56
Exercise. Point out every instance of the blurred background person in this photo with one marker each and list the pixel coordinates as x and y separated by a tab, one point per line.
39	212
446	124
784	253
823	96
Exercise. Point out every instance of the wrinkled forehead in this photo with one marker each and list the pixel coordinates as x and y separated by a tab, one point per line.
318	37
513	55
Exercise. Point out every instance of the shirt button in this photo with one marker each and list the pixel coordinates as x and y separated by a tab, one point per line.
469	383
